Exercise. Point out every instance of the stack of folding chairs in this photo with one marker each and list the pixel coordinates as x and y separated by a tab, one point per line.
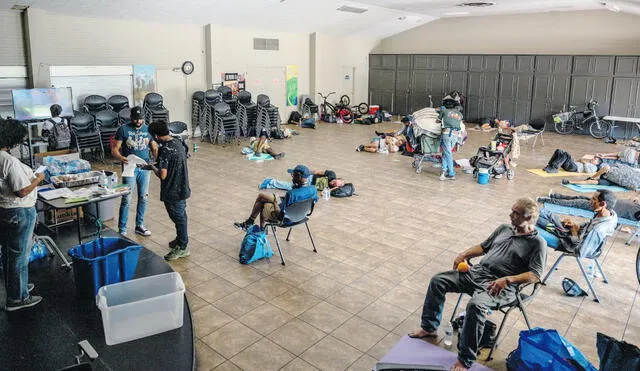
229	98
198	112
226	123
154	109
268	115
211	98
247	114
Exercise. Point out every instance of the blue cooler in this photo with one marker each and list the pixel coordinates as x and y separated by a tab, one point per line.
102	262
483	176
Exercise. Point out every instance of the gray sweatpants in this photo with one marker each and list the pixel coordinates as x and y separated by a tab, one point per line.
473	283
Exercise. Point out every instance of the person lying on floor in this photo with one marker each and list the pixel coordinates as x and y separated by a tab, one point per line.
404	130
628	156
513	254
261	145
320	179
272	210
383	145
612	175
563	160
625	209
583	239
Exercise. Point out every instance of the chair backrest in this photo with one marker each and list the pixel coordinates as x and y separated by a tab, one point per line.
212	97
263	100
226	92
296	212
118	102
198	96
177	127
107	119
95	103
537	124
244	97
82	122
222	109
153	100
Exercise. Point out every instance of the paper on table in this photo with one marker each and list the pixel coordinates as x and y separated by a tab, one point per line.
56	193
129	168
41	169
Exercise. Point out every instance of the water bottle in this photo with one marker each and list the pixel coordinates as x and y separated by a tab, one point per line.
104	181
590	272
195	147
448	335
326	194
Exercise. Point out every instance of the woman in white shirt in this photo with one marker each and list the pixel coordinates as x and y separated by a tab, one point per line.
18	196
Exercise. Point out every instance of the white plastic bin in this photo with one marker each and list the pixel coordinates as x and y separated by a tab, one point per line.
143	307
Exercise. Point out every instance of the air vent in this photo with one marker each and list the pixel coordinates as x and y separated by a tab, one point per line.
478	4
352	9
266	44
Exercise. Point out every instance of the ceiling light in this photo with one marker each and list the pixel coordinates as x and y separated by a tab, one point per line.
610	5
352	9
19	7
478	4
402	18
453	14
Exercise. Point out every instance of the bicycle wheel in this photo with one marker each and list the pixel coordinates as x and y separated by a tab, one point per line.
345	100
565	127
638	265
363	108
599	128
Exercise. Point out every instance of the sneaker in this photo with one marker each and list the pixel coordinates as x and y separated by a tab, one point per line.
550	193
30	287
141	230
173	244
123	232
443	176
26	303
565	181
177	253
550	170
450	177
360	148
279	156
243	225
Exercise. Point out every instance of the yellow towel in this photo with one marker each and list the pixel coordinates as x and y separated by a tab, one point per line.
560	172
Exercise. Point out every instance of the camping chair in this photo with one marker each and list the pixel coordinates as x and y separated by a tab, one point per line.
294	214
522	299
536	129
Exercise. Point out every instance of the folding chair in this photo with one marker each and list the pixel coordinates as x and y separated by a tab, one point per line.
521	300
537	128
294	214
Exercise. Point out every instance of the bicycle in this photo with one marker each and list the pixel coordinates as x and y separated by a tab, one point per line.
340	109
568	121
362	108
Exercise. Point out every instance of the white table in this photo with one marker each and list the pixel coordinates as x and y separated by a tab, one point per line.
626	120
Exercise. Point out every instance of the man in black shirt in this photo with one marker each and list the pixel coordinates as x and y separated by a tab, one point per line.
174	185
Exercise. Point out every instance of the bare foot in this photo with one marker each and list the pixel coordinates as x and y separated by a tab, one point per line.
421	334
458	367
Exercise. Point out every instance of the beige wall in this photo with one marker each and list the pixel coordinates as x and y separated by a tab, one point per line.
588	32
11	41
73	41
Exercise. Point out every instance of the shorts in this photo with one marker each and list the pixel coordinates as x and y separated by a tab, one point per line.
271	213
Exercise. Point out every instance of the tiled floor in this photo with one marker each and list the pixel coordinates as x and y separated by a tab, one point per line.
345	306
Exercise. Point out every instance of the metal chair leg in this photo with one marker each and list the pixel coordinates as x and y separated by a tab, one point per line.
526	318
495	343
313	243
584	273
289	234
275	235
455	309
555	265
633	236
604	276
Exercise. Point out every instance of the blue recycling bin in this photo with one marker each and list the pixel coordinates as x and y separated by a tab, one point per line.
102	262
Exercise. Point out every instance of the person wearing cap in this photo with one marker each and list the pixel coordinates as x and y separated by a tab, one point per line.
135	139
320	179
451	126
272	210
261	145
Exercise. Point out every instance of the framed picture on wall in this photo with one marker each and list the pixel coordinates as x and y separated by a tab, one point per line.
144	82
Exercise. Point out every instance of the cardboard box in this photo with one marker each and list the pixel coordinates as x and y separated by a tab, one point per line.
64	215
63	155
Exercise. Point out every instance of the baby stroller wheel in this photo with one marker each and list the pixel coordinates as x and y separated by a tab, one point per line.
419	169
511	174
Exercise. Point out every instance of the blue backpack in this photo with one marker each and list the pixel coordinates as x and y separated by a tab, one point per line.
255	246
545	350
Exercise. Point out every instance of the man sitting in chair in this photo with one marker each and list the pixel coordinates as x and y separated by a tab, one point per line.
513	254
582	239
268	207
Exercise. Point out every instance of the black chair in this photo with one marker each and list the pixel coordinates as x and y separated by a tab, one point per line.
125	116
85	134
198	112
295	214
86	349
94	103
268	115
537	127
154	109
521	300
228	98
226	125
178	129
108	123
118	102
309	108
247	114
211	98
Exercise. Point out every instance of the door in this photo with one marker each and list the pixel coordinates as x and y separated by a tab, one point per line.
583	88
624	97
473	111
550	96
172	86
436	86
419	95
401	104
382	98
382	79
515	97
456	81
348	83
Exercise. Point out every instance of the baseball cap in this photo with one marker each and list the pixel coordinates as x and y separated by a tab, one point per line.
136	113
330	174
300	169
571	288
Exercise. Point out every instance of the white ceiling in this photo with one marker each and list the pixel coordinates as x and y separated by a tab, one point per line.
383	17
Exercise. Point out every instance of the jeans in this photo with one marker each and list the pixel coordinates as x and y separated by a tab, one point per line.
448	142
140	182
16	226
178	213
578	202
271	183
473	283
562	159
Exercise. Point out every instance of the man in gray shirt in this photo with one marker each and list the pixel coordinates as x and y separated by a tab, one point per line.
513	254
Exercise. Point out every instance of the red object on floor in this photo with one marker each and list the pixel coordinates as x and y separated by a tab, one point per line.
373	109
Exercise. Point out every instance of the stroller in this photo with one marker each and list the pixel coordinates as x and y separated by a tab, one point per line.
496	162
425	133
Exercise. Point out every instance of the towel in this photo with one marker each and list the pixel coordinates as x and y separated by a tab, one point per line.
560	172
588	188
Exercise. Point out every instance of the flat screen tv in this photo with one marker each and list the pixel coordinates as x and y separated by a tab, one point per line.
33	104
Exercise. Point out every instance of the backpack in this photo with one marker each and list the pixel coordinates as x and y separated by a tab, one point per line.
277	133
294	118
255	246
617	355
545	350
60	135
346	190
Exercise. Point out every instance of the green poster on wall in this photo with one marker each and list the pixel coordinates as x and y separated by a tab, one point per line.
292	85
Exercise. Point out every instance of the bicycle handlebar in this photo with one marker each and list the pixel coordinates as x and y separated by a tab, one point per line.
326	96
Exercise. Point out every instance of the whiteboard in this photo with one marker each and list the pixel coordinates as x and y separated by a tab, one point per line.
105	85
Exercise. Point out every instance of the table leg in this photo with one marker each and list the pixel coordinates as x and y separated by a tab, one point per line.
79	226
